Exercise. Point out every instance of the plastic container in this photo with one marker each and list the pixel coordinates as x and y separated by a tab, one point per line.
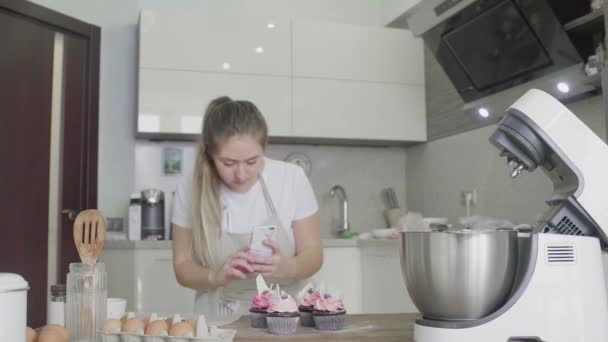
86	301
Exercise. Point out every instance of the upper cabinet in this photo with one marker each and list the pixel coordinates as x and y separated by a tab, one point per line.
312	82
195	42
348	52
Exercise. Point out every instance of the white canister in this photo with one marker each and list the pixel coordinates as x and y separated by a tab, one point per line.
13	307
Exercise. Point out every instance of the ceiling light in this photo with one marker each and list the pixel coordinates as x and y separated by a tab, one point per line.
259	49
226	65
483	112
270	25
563	87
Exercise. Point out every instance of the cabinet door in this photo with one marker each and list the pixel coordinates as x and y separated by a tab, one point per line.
341	270
173	101
195	42
339	51
358	110
383	284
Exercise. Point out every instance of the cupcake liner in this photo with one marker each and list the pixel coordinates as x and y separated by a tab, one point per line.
329	322
282	325
258	320
306	319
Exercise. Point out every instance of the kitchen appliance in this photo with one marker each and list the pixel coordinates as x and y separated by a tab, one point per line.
13	307
558	293
486	46
152	214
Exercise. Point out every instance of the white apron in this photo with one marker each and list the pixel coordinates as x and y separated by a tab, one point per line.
235	298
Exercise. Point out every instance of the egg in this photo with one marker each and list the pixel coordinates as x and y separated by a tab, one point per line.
158	328
62	331
30	335
134	326
51	335
182	329
112	326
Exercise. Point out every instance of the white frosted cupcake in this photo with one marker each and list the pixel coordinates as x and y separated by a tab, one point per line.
283	314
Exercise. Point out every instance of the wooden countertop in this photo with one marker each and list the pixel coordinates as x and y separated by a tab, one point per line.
368	327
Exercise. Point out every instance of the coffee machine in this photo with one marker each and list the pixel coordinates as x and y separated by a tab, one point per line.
558	293
152	214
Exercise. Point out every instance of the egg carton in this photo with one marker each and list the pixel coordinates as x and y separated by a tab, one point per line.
215	335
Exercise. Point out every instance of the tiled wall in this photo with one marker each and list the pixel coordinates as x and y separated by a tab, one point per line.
362	171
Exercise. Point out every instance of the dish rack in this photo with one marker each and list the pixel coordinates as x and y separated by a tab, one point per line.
216	335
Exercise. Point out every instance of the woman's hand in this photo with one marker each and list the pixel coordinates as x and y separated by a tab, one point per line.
236	267
276	266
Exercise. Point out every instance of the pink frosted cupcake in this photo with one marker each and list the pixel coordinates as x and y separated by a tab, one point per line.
283	314
306	304
259	304
329	313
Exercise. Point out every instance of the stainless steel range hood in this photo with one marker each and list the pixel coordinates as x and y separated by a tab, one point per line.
455	97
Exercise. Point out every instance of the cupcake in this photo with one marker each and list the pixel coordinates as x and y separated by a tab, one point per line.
306	304
329	312
259	304
283	314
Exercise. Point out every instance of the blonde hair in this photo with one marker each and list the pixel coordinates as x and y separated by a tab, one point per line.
224	118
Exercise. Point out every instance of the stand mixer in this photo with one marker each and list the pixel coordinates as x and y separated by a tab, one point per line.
558	293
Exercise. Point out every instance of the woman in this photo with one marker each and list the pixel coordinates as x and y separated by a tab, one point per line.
235	188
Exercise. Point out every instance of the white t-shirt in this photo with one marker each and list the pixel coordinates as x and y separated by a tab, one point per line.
289	189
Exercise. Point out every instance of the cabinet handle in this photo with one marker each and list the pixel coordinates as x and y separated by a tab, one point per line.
71	213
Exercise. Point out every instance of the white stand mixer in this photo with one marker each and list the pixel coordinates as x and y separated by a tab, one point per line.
560	293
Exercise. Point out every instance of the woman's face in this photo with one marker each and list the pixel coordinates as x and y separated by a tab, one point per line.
238	161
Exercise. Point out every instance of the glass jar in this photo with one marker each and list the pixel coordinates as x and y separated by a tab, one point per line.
56	308
86	300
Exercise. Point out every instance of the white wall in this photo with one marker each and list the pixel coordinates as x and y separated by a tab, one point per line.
118	91
438	171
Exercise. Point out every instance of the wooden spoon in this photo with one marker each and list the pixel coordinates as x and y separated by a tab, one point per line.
89	235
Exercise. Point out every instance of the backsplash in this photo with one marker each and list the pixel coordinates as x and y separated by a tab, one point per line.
440	170
362	171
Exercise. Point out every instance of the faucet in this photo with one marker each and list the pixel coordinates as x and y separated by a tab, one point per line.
345	226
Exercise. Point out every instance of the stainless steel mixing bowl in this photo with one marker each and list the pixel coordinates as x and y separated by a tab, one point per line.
460	275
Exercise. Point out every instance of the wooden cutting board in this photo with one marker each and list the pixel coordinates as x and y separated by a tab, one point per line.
369	327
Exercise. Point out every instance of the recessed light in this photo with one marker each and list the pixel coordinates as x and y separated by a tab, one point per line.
226	65
259	49
483	112
563	87
271	25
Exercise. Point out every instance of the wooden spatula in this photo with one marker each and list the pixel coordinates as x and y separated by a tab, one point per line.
89	235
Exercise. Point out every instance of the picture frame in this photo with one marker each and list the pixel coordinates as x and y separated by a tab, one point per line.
172	161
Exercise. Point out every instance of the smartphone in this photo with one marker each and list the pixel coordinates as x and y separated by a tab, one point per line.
259	234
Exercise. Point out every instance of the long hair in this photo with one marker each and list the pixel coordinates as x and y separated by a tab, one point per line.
223	119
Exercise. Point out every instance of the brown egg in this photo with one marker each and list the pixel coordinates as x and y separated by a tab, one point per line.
157	328
51	335
134	326
169	321
30	335
63	332
182	329
112	326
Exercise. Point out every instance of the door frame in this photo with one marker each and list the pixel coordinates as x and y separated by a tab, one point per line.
90	115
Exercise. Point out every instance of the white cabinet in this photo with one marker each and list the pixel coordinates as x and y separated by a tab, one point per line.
358	110
348	52
383	284
173	101
146	279
310	80
341	270
354	82
194	41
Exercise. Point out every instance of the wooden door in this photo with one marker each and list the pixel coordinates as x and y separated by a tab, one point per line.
27	35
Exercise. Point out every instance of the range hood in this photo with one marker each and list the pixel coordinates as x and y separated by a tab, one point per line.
487	46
